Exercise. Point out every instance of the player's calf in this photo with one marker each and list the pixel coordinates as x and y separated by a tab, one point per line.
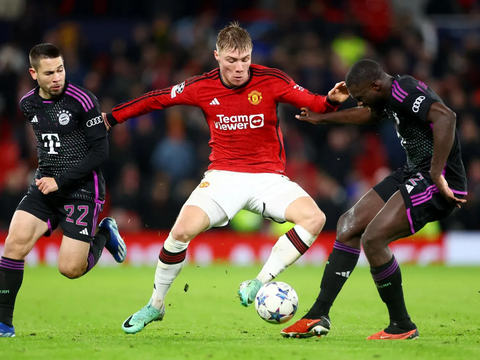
71	271
11	276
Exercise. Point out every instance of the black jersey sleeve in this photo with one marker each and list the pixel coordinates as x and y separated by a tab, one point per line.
412	98
95	134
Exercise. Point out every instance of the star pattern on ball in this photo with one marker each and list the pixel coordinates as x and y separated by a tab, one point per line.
261	299
282	294
276	315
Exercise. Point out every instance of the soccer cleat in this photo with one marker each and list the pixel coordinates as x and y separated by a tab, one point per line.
6	331
305	328
142	318
382	335
115	246
248	290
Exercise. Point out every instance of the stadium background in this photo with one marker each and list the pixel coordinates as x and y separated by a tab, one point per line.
123	48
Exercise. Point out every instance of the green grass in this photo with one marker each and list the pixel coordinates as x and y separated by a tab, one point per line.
57	318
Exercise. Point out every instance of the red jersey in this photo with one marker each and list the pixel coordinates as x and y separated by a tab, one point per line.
245	135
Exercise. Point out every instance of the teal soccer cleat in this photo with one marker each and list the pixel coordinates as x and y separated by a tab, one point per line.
248	290
6	331
115	246
142	318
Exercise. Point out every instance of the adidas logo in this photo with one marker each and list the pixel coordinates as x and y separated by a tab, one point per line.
409	188
215	102
344	274
35	120
84	232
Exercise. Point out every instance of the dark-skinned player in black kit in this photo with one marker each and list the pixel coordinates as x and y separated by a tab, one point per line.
428	188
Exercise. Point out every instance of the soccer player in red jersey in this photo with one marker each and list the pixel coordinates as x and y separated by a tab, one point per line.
247	169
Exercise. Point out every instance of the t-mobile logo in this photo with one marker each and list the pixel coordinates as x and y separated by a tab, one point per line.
52	143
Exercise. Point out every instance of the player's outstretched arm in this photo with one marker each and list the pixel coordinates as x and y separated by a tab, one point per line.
180	94
358	115
444	121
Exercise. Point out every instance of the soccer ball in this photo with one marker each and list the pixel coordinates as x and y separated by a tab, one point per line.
276	302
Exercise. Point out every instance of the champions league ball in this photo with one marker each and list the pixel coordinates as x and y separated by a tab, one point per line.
276	302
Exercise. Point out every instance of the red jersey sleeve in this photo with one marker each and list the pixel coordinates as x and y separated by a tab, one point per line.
291	93
180	94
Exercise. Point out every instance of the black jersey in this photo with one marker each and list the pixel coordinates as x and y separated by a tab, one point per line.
408	108
71	140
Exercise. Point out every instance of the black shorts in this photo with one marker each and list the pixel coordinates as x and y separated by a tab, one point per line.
423	201
77	218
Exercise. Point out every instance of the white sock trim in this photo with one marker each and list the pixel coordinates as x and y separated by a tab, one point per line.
173	245
304	235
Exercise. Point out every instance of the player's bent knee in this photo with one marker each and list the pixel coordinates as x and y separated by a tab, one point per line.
342	224
16	247
348	231
371	244
183	233
319	223
314	222
71	272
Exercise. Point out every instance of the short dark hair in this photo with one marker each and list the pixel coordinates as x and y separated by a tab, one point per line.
43	51
363	70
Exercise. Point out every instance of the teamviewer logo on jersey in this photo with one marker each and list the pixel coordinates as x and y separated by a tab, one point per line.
239	122
256	121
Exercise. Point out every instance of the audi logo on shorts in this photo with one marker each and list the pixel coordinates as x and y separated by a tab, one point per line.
95	121
417	103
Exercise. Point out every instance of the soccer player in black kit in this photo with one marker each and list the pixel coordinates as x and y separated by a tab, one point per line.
428	188
68	188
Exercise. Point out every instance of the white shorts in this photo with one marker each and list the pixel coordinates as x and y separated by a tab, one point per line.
222	194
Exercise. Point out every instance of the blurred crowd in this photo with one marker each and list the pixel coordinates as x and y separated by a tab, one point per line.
123	48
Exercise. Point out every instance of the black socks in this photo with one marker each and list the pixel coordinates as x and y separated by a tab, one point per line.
96	247
388	279
340	265
11	277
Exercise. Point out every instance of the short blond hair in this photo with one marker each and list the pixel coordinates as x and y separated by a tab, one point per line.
234	37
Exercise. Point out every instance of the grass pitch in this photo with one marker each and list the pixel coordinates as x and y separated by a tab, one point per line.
57	318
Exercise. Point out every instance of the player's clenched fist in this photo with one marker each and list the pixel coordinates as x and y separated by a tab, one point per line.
46	185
